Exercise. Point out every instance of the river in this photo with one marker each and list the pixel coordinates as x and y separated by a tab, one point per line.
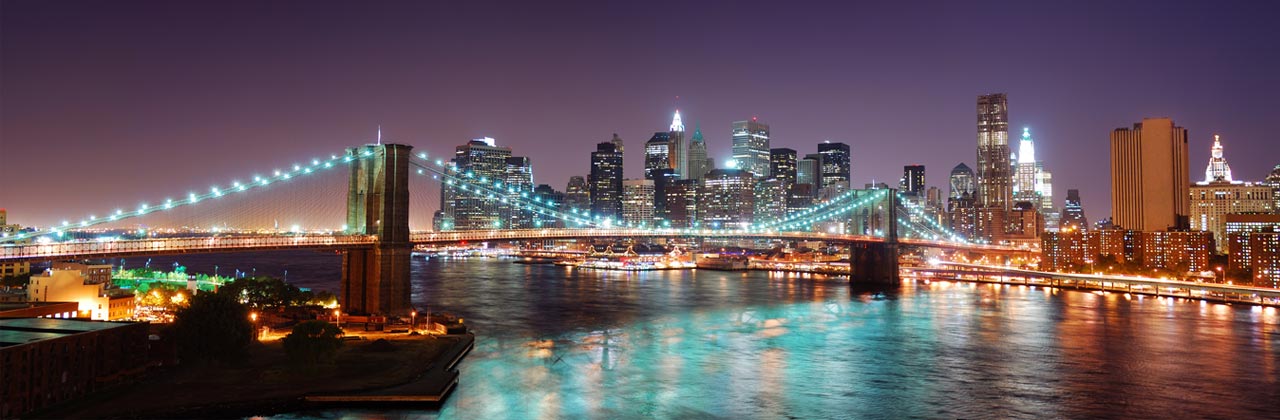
557	342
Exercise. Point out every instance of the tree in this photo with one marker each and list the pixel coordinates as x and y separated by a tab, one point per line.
214	327
312	342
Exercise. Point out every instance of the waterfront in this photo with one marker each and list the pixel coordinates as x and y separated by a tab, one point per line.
561	342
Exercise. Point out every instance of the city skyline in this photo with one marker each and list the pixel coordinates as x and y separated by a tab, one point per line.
122	111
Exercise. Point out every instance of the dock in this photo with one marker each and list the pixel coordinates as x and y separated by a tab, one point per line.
432	386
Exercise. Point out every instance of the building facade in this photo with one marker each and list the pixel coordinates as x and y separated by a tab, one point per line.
994	189
605	181
637	202
751	146
697	156
1150	188
834	167
782	165
479	160
727	199
1219	195
1073	212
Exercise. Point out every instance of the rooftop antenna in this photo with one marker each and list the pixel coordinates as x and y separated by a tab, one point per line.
379	134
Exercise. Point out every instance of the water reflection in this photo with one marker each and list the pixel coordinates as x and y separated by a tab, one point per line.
556	342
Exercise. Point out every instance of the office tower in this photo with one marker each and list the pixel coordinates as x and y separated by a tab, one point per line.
548	197
682	203
1073	213
782	165
834	166
657	153
799	198
661	179
1024	176
617	142
1273	180
482	161
637	202
807	170
577	194
678	151
770	200
518	178
912	182
1150	188
728	199
605	183
697	156
993	172
961	201
751	146
1219	195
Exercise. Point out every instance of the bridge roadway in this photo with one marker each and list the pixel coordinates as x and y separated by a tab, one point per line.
238	243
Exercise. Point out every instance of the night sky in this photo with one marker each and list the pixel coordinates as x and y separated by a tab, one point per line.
108	104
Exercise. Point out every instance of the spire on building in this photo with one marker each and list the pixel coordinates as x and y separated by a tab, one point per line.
676	125
697	133
1218	170
1026	147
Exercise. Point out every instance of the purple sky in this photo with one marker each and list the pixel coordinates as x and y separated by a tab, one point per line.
108	104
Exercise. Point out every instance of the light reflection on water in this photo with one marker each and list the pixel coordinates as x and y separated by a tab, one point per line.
557	342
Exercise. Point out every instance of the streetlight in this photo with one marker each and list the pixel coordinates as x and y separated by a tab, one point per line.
413	323
337	313
1222	276
253	316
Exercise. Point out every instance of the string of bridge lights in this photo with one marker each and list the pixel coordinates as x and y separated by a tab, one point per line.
950	234
214	192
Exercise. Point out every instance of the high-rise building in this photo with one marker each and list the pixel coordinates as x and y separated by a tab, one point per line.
770	200
577	194
661	179
1219	195
519	180
637	202
807	170
697	156
1273	180
549	197
993	172
1150	188
912	182
617	142
678	151
799	198
727	199
682	203
479	160
1032	183
782	165
657	153
961	201
1218	170
834	166
1073	213
751	146
605	183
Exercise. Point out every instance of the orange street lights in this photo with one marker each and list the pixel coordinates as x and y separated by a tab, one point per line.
253	316
337	314
1222	277
413	323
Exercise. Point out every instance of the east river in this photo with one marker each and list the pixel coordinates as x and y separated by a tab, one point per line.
556	342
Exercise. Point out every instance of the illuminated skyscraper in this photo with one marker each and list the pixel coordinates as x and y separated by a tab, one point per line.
519	179
678	151
657	153
751	146
1150	187
637	202
483	161
834	167
807	170
994	191
605	182
577	194
727	199
961	203
782	165
697	156
1218	170
913	180
1219	195
1073	213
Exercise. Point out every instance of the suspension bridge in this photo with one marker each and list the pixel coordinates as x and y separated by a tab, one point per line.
376	241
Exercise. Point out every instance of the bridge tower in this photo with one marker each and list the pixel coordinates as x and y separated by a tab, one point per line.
876	263
376	280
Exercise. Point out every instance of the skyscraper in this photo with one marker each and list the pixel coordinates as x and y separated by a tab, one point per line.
1273	180
678	151
577	194
637	202
727	199
478	160
697	156
913	180
1219	195
1218	170
657	153
751	146
1150	188
961	203
605	183
782	165
994	191
770	200
549	197
519	179
835	167
962	182
1073	213
807	170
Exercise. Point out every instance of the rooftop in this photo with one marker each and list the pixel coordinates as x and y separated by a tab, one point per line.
18	331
